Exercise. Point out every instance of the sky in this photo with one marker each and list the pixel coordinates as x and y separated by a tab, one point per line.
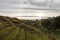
42	8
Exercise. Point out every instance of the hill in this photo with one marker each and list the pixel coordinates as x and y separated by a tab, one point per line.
17	29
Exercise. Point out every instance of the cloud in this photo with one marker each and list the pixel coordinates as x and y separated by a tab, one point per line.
13	7
17	4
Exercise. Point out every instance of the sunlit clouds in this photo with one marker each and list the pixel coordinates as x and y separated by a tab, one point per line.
30	8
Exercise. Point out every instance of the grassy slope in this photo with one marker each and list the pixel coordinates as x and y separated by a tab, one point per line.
17	33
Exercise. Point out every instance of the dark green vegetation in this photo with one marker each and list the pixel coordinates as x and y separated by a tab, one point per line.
16	29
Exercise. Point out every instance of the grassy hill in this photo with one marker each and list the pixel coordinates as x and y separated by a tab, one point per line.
17	29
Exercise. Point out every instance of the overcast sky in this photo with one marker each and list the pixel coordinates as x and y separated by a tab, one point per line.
29	7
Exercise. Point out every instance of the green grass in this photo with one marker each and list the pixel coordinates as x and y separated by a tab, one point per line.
28	35
5	30
12	35
15	30
21	35
58	34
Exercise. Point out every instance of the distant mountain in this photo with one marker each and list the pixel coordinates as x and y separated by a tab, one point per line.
31	17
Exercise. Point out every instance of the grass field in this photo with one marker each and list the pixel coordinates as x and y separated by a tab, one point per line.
14	29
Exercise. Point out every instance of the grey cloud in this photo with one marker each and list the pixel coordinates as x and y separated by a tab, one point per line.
10	6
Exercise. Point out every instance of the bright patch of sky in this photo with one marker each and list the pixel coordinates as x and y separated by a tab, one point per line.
29	7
